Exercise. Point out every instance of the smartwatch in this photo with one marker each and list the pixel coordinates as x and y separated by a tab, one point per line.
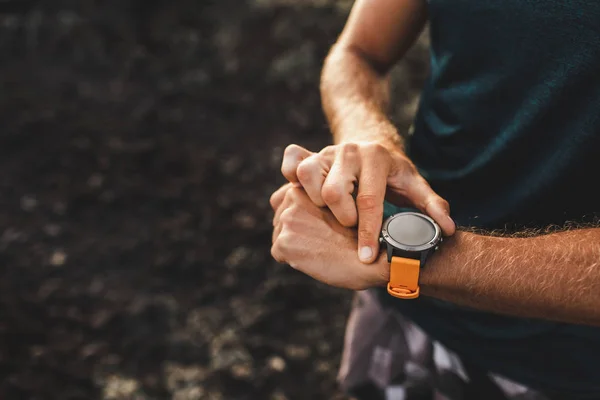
410	238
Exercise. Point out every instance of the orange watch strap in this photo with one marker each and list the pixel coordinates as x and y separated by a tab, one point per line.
404	278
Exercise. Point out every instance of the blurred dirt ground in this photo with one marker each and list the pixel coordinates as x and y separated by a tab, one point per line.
139	143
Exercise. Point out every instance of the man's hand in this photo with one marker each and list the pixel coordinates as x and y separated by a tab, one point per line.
330	178
311	240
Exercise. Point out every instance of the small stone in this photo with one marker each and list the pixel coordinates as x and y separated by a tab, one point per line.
112	359
308	316
178	375
96	287
245	221
297	352
91	349
82	142
100	318
11	235
278	396
28	203
58	258
247	312
323	367
59	208
276	363
229	280
68	18
108	196
95	181
237	257
37	351
241	371
231	165
324	348
52	230
226	350
48	288
214	396
197	77
118	387
224	200
190	393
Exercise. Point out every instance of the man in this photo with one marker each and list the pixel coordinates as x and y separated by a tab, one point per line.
507	135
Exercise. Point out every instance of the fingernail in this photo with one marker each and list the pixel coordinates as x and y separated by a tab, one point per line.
365	254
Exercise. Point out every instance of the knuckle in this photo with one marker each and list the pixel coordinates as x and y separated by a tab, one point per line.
287	216
347	219
403	166
444	204
286	169
307	168
413	173
350	148
290	194
332	193
291	216
364	231
328	150
424	203
411	180
272	201
365	236
293	195
368	202
291	150
377	149
284	242
276	252
435	201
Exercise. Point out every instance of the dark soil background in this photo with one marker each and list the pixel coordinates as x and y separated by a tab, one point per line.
140	141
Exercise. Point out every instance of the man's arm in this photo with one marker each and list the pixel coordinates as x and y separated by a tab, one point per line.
554	276
353	177
354	82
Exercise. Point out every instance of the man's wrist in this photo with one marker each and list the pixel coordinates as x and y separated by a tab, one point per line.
444	268
434	272
384	134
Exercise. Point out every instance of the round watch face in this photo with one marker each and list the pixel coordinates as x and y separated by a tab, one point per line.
411	231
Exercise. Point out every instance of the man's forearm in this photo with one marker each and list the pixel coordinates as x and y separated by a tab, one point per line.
555	276
355	99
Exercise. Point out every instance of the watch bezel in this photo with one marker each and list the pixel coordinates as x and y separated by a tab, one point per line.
423	247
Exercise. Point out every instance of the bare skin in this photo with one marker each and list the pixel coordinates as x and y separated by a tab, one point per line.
554	277
368	152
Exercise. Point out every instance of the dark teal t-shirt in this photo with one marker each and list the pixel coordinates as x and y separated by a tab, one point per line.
508	131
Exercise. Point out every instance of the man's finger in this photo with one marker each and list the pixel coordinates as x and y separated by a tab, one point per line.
369	202
285	203
311	174
292	157
293	196
425	199
278	196
339	186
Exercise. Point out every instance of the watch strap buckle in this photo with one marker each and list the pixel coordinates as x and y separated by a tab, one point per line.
404	278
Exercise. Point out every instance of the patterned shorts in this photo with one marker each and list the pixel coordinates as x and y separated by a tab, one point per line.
387	357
